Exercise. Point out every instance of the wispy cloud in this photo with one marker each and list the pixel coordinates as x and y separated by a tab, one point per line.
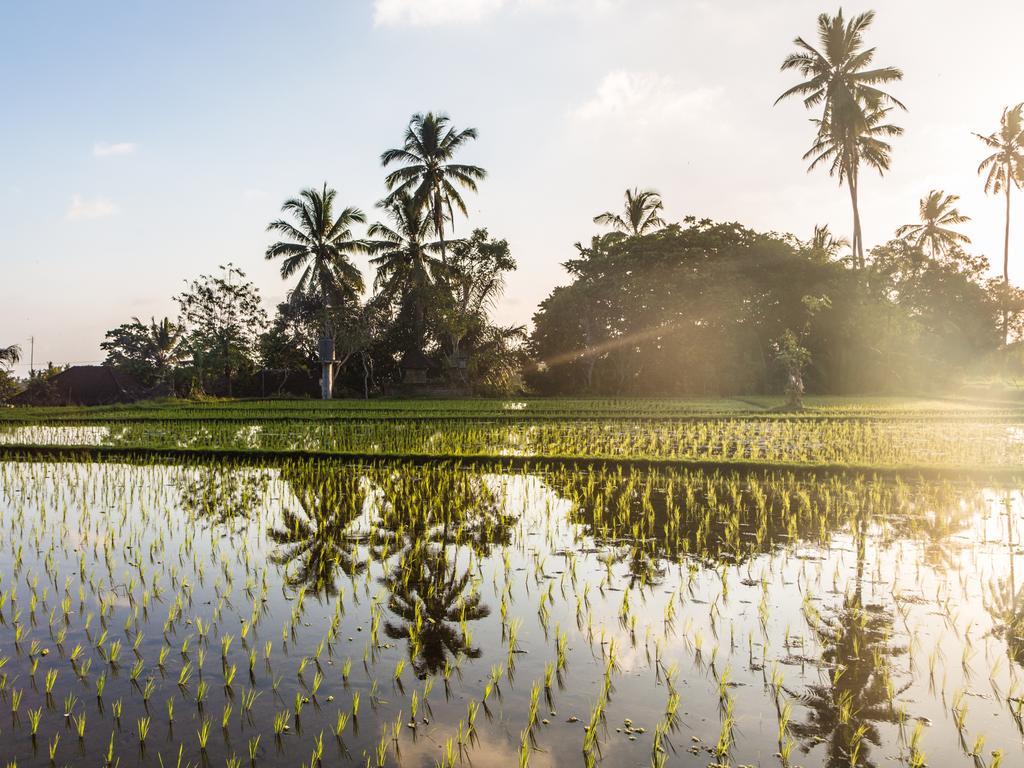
642	99
105	149
423	13
97	208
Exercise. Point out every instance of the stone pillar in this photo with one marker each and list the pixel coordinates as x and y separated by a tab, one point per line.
326	348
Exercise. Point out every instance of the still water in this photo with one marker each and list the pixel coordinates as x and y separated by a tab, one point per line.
329	613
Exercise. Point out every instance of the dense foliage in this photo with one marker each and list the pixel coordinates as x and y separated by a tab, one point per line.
700	308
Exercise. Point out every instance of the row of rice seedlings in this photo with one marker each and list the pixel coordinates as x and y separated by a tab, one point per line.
421	536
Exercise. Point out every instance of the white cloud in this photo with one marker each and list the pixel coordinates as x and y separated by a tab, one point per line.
423	13
432	12
643	99
104	149
82	209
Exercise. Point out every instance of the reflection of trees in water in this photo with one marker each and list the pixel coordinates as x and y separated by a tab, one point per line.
222	494
856	644
415	521
428	516
648	517
857	696
440	504
1005	600
318	542
430	600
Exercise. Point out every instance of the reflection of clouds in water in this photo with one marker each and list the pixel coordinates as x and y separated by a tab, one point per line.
54	435
489	750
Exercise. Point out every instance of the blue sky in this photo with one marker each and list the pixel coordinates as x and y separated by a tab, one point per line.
147	142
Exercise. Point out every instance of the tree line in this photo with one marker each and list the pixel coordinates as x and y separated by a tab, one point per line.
652	306
431	296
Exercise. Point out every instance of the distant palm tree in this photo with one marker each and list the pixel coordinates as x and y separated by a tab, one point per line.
162	340
428	174
825	246
321	245
838	79
1005	168
404	257
845	151
10	355
938	213
641	213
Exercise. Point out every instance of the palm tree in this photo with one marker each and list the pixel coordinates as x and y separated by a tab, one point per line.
845	151
10	355
320	244
162	340
404	257
824	245
838	79
1005	168
428	174
641	213
938	213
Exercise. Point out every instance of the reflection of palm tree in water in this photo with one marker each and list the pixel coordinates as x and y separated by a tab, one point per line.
427	596
428	589
856	647
1005	602
222	494
320	539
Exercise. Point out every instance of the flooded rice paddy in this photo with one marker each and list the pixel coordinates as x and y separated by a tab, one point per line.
936	441
319	612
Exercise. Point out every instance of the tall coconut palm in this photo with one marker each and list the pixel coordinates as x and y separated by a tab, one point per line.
320	244
938	213
1004	169
428	174
839	79
162	341
843	152
640	215
404	257
10	355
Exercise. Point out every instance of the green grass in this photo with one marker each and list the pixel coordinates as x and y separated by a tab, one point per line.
861	433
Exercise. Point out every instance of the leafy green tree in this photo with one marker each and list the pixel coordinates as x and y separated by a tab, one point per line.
1004	169
640	215
150	352
428	174
938	213
223	319
840	80
478	352
8	356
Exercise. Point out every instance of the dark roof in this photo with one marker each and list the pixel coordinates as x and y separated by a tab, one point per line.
88	385
416	361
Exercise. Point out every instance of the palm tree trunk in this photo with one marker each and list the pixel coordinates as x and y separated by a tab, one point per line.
858	239
439	226
1006	266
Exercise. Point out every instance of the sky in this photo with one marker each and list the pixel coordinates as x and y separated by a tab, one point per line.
146	143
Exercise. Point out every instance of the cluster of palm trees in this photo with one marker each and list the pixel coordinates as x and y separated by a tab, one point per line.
409	252
853	131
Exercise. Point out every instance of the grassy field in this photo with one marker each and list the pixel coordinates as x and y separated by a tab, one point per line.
861	433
